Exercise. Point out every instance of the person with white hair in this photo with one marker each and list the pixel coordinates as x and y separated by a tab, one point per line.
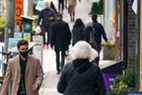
80	76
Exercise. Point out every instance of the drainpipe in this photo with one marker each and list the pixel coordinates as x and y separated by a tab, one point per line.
125	33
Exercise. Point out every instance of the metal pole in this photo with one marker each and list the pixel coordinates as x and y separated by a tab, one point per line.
11	16
125	33
10	22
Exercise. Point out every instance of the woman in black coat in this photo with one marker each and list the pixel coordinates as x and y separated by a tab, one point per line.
77	31
80	76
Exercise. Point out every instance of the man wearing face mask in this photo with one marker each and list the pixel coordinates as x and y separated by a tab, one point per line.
24	72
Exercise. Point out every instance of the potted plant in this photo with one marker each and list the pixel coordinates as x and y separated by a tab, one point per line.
124	83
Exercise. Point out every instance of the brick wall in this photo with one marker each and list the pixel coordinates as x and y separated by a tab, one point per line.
132	37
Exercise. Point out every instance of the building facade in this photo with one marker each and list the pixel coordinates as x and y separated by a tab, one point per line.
140	40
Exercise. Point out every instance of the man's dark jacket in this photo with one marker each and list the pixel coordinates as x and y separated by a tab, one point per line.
77	34
60	35
98	32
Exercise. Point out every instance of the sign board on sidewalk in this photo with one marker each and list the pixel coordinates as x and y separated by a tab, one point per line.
13	42
37	49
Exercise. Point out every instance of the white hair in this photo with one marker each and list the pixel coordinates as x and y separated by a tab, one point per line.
81	50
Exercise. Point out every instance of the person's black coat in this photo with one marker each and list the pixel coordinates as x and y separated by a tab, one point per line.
98	32
77	34
60	35
81	78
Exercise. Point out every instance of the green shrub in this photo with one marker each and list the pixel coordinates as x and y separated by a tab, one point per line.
124	83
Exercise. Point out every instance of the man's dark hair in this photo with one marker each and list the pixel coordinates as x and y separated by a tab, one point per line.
94	17
22	42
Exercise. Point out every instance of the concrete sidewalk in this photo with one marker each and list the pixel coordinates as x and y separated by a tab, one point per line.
50	78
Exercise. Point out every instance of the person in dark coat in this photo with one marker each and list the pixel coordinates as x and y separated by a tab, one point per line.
61	6
46	16
80	76
94	34
53	6
77	31
60	39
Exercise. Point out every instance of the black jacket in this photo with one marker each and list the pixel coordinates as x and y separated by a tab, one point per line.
60	35
81	78
98	32
77	34
46	16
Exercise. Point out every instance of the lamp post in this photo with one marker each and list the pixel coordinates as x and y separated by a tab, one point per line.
10	22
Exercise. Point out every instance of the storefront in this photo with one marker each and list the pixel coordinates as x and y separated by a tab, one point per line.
113	22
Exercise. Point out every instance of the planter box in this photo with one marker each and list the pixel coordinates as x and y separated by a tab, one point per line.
109	52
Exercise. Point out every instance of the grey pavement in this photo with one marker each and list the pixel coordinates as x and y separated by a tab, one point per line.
50	77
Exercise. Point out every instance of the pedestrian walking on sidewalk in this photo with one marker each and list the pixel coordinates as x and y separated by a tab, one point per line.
95	31
71	9
24	73
77	31
53	6
80	76
60	40
61	6
46	17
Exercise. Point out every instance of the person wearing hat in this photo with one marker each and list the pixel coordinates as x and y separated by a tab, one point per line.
80	76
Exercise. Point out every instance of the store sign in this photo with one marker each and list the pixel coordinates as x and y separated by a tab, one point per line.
19	11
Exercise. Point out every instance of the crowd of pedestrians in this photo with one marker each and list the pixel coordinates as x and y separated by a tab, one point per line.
85	41
81	75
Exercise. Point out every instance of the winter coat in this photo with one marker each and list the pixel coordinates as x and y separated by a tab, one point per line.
77	34
98	32
81	78
33	76
45	17
94	34
60	35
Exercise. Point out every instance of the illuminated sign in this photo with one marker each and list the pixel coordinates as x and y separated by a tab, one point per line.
19	11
